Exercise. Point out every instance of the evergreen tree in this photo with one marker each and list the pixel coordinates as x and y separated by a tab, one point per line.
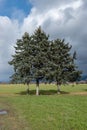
76	74
41	45
61	63
22	61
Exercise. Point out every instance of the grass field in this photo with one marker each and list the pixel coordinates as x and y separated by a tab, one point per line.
49	111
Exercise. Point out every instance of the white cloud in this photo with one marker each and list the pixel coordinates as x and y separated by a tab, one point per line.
9	32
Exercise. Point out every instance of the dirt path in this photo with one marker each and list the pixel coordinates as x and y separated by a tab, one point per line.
78	93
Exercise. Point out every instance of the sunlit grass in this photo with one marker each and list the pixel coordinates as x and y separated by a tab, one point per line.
18	88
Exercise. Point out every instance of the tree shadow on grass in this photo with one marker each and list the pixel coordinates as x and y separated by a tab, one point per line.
85	89
42	92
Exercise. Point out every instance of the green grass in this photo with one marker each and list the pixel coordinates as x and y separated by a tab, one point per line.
45	89
48	111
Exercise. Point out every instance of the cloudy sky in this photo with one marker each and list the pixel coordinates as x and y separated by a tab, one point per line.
58	18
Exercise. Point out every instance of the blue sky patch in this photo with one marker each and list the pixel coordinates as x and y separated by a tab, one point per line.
15	8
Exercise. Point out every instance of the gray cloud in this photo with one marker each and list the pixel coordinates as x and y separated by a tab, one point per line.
46	5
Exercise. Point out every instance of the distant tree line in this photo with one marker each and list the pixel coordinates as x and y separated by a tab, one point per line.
39	58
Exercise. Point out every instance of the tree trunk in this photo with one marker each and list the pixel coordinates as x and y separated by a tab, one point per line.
58	88
28	91
37	87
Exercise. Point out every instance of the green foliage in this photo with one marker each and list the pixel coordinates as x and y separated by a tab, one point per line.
61	63
22	60
41	46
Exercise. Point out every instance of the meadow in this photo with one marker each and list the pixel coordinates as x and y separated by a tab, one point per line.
48	111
